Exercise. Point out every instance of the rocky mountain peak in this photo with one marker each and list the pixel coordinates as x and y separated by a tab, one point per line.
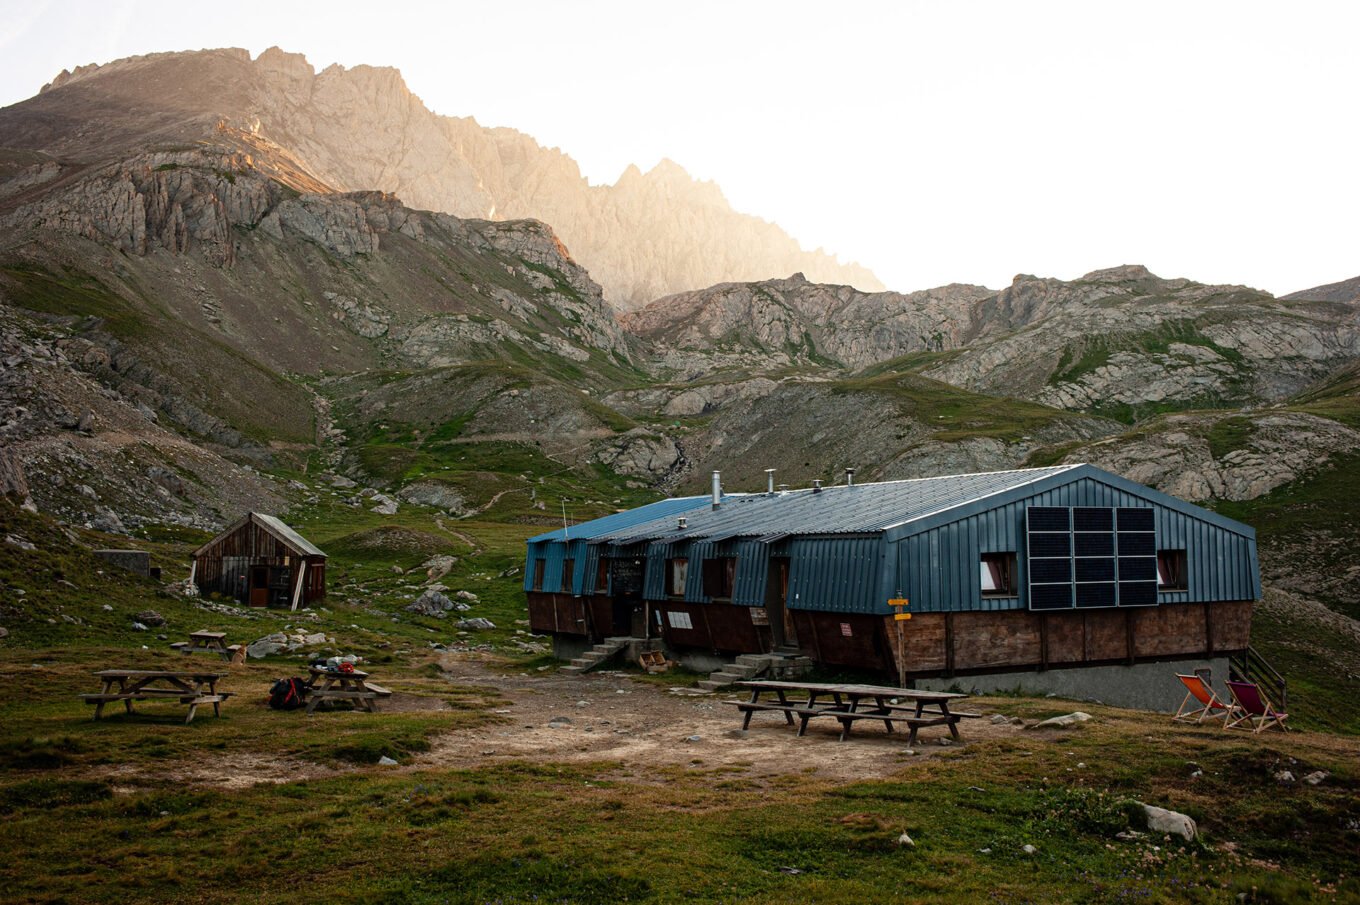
361	128
1121	274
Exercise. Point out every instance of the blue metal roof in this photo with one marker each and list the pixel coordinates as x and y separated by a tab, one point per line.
609	525
844	509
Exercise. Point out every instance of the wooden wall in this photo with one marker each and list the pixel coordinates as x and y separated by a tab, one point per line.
944	643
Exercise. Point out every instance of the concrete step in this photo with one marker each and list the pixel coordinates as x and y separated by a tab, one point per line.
760	661
711	685
573	670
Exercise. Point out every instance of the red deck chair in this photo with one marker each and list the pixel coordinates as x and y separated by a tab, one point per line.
1201	701
1251	707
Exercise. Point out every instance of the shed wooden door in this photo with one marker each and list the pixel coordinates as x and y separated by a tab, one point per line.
776	596
259	586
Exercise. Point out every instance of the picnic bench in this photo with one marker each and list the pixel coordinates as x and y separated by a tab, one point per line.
210	643
850	703
192	687
331	685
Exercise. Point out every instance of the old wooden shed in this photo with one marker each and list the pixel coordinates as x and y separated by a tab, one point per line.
260	561
1032	569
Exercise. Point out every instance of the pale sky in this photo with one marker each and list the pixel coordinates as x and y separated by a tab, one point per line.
932	142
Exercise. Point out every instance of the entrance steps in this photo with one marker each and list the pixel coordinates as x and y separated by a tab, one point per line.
605	650
749	666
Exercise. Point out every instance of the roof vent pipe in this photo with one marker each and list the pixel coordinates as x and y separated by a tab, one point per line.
769	482
817	485
682	523
849	477
717	489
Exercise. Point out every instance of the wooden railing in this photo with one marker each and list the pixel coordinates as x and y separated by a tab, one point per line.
1250	666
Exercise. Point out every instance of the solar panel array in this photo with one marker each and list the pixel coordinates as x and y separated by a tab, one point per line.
1089	557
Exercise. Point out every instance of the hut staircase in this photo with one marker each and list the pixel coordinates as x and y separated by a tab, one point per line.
1249	666
750	666
600	653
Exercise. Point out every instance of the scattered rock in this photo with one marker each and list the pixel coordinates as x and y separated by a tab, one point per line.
436	567
1028	849
1284	776
1172	823
998	719
1312	778
430	603
4	632
695	738
1060	722
150	618
106	608
476	623
386	761
468	596
385	505
19	542
559	722
905	840
138	627
267	646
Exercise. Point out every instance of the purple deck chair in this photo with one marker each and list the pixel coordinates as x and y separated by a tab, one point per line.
1251	707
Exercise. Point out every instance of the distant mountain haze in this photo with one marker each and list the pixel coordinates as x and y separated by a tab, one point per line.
648	235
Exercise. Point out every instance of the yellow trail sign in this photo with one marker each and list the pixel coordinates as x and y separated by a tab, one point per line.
899	601
901	617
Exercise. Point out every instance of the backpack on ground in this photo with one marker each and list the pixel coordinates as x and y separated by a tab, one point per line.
287	694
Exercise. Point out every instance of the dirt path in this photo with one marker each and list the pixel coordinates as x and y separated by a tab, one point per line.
640	725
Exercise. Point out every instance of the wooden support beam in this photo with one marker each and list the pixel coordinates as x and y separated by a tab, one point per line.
1043	641
948	644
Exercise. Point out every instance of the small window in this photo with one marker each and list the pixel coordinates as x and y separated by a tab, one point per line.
602	575
998	575
677	572
568	572
1171	571
539	566
720	577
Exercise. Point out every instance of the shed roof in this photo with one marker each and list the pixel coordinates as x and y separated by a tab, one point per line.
622	521
843	509
274	526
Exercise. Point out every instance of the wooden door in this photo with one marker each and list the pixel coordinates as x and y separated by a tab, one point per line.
776	596
259	586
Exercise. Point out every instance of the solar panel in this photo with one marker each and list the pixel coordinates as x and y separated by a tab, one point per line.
1091	557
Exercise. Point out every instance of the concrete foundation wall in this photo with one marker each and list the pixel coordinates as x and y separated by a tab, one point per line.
137	561
1145	686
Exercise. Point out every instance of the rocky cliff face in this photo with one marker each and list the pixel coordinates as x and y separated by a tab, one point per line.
1115	340
361	129
777	323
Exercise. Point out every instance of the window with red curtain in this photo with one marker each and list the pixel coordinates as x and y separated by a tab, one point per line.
1171	570
997	572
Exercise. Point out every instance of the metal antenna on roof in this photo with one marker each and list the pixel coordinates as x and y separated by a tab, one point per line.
565	531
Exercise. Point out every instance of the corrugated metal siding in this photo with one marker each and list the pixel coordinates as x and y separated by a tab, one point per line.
586	584
654	582
694	578
753	570
839	575
938	569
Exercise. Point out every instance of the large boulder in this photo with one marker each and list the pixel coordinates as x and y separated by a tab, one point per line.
1172	823
430	603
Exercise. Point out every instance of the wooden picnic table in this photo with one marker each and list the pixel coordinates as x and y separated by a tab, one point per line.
849	703
332	685
208	643
192	687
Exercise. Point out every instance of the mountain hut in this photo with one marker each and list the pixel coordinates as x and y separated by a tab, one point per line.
260	562
1066	578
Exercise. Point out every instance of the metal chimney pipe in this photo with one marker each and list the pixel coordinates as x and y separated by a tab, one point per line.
769	482
682	523
717	489
850	477
817	485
